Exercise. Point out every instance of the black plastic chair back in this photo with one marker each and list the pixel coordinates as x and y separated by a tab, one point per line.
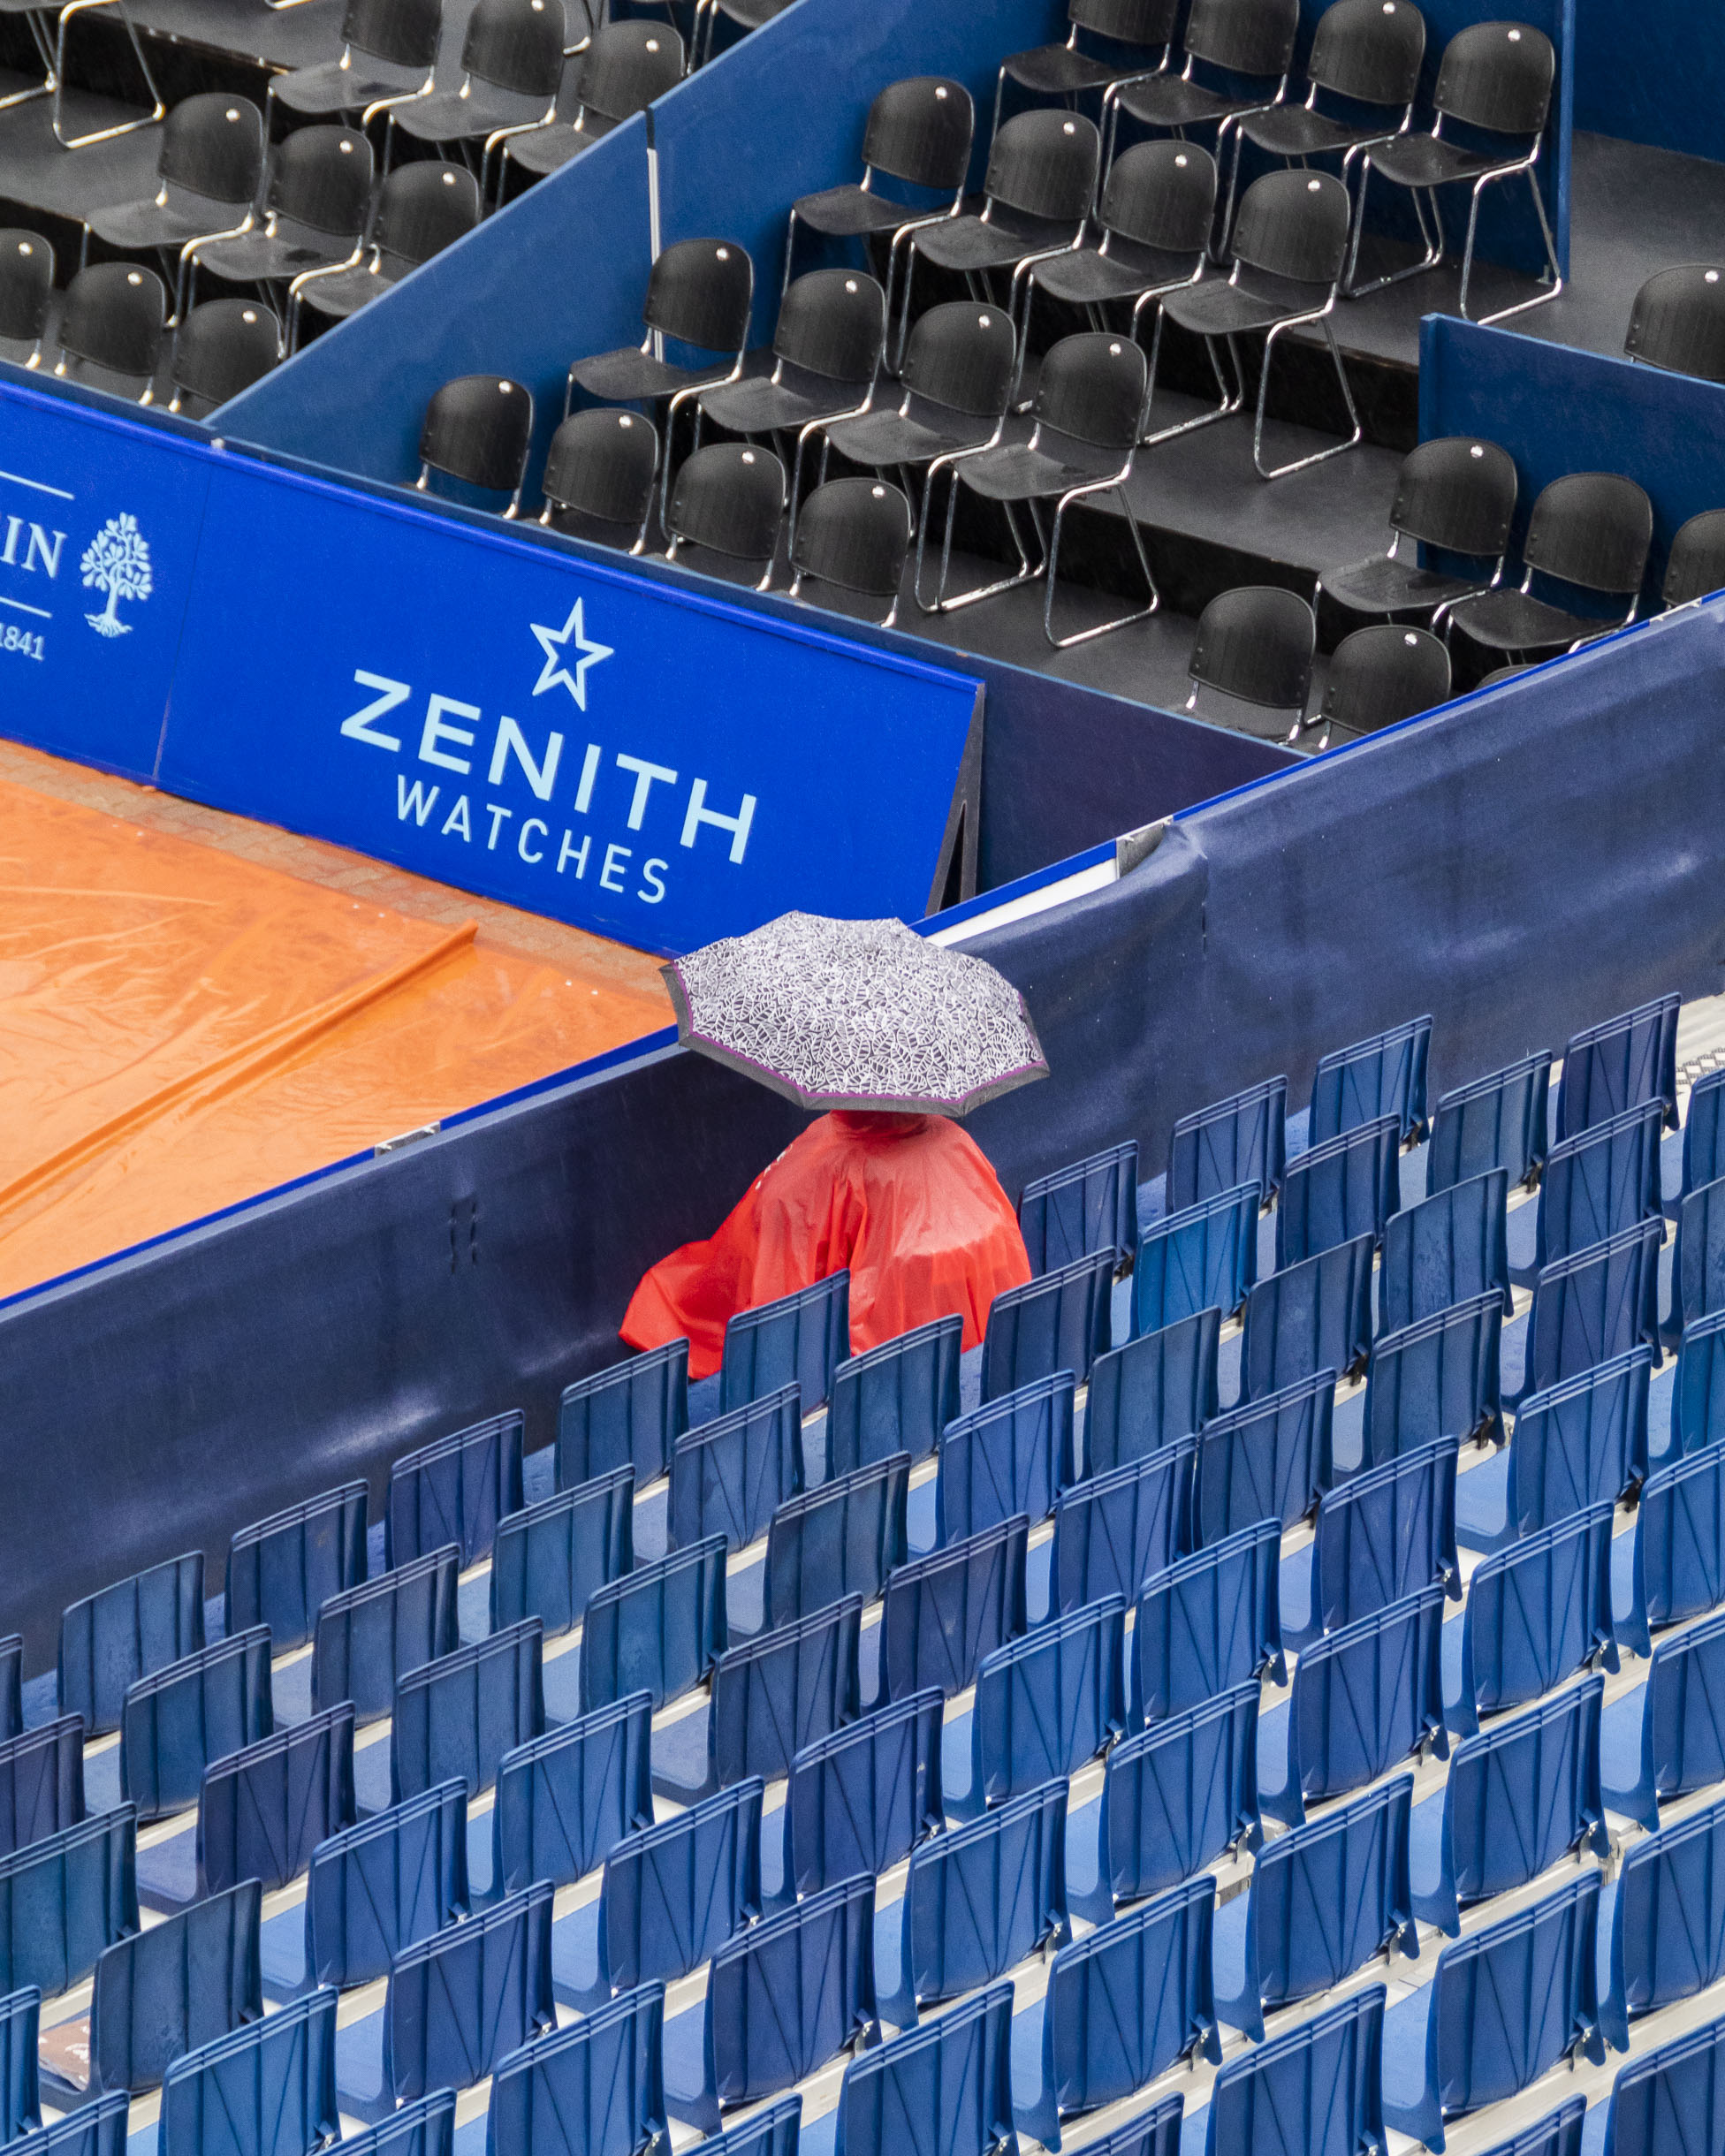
26	278
1293	224
1592	529
403	32
1163	195
920	131
701	292
1384	674
1678	322
1457	493
114	316
1092	388
961	357
1043	163
602	462
1499	76
1695	565
322	177
832	322
626	66
1143	23
853	533
422	209
1369	50
1245	37
729	497
516	45
477	429
1257	643
213	144
222	347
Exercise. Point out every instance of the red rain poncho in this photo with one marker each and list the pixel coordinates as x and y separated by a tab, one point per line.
908	1202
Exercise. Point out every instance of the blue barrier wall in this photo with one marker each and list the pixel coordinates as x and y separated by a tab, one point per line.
1651	75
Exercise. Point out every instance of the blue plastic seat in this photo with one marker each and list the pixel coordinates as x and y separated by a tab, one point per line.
1316	2088
1677	1565
378	1889
945	1612
1208	1623
455	1490
96	2129
1324	1901
367	1637
1015	1454
1668	1940
1698	1271
1704	1132
424	2127
1438	1377
1086	1207
169	1990
1518	1798
1679	1739
1178	1797
263	1811
42	1782
65	1900
944	2090
1618	1064
1157	1387
1111	1531
1580	1442
593	2089
896	1398
1239	1140
730	1476
628	1415
1123	2006
1344	1188
657	1630
1498	1121
1384	1535
800	1340
1059	1322
782	1690
1601	1181
841	1539
1202	1257
11	1686
282	1570
124	1632
1311	1316
1536	1614
21	2099
1669	2096
1558	2134
1268	1460
462	1999
1048	1703
1504	2005
673	1893
175	1722
1384	1076
861	1799
461	1714
1697	1390
1595	1305
566	1799
1445	1249
265	2090
551	1557
772	2130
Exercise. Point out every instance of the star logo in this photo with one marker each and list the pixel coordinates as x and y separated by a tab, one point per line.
554	644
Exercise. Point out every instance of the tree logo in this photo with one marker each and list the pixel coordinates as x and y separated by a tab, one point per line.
116	561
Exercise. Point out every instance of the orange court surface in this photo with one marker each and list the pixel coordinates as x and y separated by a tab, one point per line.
194	1008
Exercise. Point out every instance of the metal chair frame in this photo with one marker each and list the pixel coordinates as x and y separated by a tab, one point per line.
52	54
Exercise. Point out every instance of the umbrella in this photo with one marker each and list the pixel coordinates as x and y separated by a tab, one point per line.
856	1014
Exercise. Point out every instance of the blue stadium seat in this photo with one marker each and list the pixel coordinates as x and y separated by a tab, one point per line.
1669	2098
1048	1703
1015	1454
1698	1391
1677	1737
1445	1250
1239	1140
1345	1187
1312	1316
780	1692
1324	1901
944	2090
1593	1306
1498	1121
1536	1614
730	1476
1157	1387
945	1612
673	1893
896	1398
1558	2134
381	1887
1317	2088
461	1714
593	2089
1382	1536
1268	1460
1438	1377
550	1558
772	2130
21	2099
782	1999
367	1637
282	1570
1059	1322
1518	1798
659	1630
455	1490
1122	2006
1089	1206
1202	1257
566	1799
1504	2005
65	1900
462	1999
265	2090
1698	1271
179	1984
1362	1699
98	2129
1667	1941
1677	1564
11	1686
1704	1132
424	2128
1618	1064
629	1416
1111	1531
800	1340
263	1811
841	1539
1384	1076
126	1631
1581	1441
1601	1181
1208	1622
42	1782
861	1799
176	1721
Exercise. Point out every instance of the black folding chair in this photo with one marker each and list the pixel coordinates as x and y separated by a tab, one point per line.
1695	568
1289	241
48	26
1238	54
729	498
1378	677
1067	70
317	192
389	49
699	293
512	62
111	328
26	287
1255	645
853	533
1495	79
1590	530
422	209
477	429
1455	494
624	68
601	466
1679	322
1155	219
207	172
221	348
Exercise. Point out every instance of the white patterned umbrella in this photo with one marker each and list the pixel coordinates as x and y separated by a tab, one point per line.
856	1014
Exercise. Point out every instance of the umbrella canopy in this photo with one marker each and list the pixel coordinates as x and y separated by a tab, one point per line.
856	1014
